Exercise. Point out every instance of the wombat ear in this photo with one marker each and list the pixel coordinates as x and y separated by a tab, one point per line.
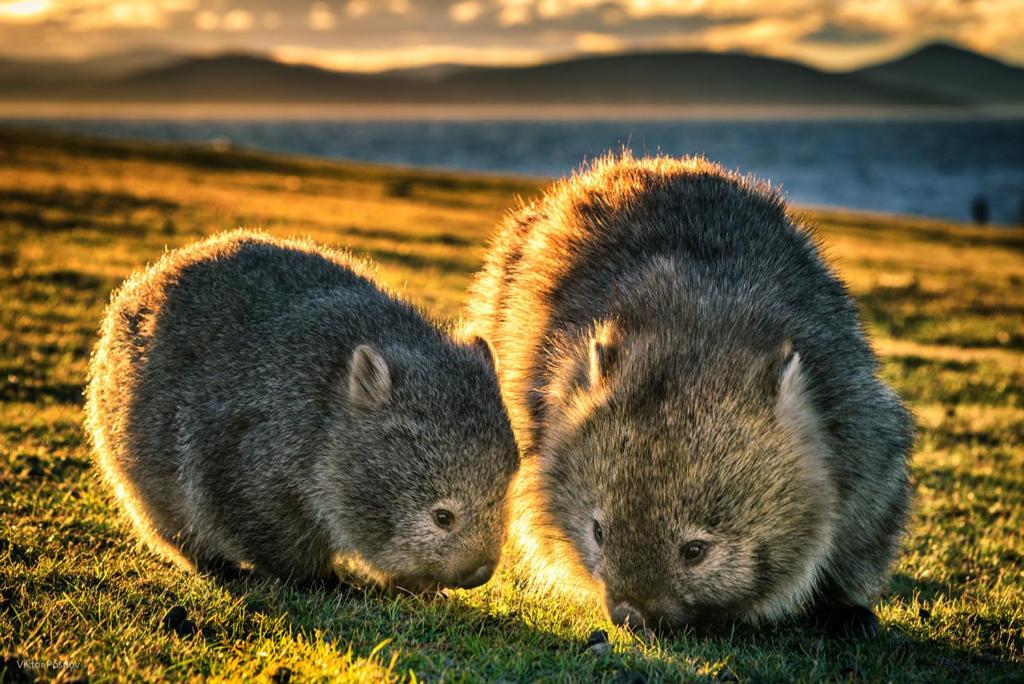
604	353
796	413
485	348
787	361
792	403
369	378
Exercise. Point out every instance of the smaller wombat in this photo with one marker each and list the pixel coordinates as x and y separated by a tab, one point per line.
257	402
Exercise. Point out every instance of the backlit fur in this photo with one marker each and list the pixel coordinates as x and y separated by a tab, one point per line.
263	402
680	364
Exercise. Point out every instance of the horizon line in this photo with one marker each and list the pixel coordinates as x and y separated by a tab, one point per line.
569	56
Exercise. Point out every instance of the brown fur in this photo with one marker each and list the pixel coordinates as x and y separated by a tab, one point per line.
681	366
263	402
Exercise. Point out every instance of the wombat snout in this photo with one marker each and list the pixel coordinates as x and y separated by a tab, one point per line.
647	615
475	578
623	614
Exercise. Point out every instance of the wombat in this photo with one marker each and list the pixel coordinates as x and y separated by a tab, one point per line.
699	412
262	403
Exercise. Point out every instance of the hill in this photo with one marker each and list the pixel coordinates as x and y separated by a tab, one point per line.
952	72
57	76
249	78
681	78
675	78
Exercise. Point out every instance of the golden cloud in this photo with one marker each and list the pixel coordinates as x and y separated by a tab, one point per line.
465	12
24	11
320	17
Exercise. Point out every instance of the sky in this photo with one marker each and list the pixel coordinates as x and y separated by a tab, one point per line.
369	35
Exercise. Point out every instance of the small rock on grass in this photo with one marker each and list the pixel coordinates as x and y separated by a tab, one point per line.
597	643
174	617
186	629
176	620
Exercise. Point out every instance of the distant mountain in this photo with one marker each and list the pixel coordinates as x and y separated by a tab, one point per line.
953	72
647	78
40	76
122	64
938	75
674	78
250	78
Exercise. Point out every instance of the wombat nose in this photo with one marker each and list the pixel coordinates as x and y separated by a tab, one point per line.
477	577
625	615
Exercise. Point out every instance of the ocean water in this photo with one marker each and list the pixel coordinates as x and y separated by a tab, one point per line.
928	167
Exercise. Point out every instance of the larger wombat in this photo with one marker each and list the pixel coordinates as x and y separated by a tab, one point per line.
263	402
698	406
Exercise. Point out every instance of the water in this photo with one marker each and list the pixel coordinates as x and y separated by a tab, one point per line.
927	167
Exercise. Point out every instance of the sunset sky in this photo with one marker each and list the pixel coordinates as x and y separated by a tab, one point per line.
378	34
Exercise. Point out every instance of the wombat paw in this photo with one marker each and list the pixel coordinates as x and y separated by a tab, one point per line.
845	622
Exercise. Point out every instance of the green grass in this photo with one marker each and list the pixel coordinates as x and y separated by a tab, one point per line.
944	302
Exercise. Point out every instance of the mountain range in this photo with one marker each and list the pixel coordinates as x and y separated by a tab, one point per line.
935	75
951	72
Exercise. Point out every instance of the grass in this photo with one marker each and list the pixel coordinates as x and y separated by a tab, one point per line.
81	598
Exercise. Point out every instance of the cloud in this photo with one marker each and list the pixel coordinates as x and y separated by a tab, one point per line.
769	36
207	20
93	15
831	33
320	17
24	11
100	16
381	58
381	33
465	12
995	25
270	20
640	9
357	8
238	20
598	42
890	16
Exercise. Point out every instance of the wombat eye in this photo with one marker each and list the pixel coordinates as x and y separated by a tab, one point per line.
693	552
598	533
443	518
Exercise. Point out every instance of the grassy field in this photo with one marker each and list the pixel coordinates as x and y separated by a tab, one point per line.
944	302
